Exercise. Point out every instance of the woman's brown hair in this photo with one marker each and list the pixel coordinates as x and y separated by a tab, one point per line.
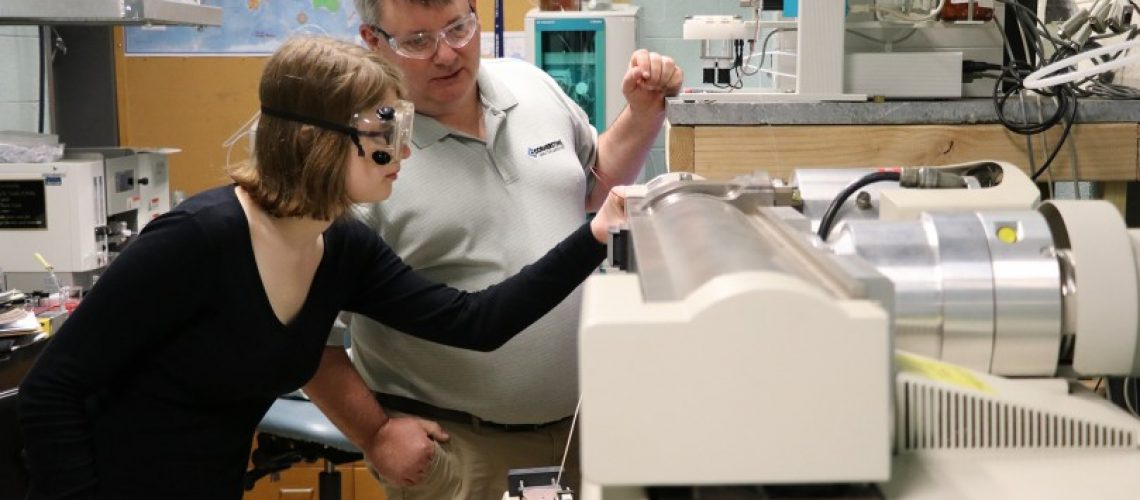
299	170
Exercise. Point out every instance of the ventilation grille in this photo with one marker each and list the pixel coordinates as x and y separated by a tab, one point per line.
933	418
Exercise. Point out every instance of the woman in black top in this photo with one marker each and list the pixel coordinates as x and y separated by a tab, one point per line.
154	387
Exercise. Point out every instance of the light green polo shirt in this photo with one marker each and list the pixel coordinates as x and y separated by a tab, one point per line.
471	213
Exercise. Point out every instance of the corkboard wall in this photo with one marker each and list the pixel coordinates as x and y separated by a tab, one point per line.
189	103
195	103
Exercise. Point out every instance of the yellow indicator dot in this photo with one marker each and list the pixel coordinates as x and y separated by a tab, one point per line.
1007	234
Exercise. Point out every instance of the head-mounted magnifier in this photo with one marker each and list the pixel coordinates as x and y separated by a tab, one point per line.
383	130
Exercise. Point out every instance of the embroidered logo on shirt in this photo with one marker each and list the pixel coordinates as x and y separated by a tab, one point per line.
545	149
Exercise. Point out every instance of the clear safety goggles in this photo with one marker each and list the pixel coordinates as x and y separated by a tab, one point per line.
387	127
422	45
384	129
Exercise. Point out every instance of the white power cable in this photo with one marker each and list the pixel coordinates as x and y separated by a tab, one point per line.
569	439
1038	80
1127	395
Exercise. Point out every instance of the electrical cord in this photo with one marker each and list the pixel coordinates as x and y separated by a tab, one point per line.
1041	49
1060	72
884	42
569	439
44	32
1129	393
829	215
764	50
1053	154
1044	147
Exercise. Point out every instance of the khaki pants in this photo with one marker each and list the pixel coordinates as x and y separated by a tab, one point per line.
473	464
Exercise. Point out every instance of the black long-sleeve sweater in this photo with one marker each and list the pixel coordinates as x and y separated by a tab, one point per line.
154	387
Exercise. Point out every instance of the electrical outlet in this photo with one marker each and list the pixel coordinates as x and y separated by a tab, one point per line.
724	76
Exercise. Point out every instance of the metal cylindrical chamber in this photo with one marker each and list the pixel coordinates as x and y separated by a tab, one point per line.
1028	310
977	289
819	186
702	237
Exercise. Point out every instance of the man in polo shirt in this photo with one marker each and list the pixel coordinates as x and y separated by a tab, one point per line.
504	164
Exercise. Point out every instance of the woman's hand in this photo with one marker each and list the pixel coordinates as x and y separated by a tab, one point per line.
611	214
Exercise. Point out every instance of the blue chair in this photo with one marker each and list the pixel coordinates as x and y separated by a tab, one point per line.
294	430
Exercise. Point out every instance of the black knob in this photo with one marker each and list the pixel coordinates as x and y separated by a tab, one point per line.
381	157
620	253
143	181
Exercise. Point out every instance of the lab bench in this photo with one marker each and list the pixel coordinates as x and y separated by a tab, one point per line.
721	140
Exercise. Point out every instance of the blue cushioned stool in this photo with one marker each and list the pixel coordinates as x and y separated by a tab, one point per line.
292	431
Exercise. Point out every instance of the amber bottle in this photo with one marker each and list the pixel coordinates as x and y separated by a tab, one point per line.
959	10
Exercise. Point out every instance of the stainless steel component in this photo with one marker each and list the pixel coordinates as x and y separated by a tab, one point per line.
1068	290
977	289
1074	23
686	233
1027	294
104	12
967	289
677	224
901	251
817	187
930	178
702	237
992	290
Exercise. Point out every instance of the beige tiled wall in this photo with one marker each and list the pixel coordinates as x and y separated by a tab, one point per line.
660	29
19	77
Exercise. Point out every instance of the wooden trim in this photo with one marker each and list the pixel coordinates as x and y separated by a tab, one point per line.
679	148
190	103
1105	151
1117	194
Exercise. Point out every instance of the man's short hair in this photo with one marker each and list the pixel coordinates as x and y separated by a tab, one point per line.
369	10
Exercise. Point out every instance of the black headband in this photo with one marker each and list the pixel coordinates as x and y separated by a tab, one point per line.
317	122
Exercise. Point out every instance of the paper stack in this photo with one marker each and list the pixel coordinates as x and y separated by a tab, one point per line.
14	318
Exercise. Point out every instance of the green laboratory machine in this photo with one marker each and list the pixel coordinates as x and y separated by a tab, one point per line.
587	53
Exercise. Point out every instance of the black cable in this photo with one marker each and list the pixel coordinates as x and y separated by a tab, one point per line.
1041	49
43	77
764	50
832	211
1014	80
1060	142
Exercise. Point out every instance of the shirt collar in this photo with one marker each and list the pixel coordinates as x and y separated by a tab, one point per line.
492	92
